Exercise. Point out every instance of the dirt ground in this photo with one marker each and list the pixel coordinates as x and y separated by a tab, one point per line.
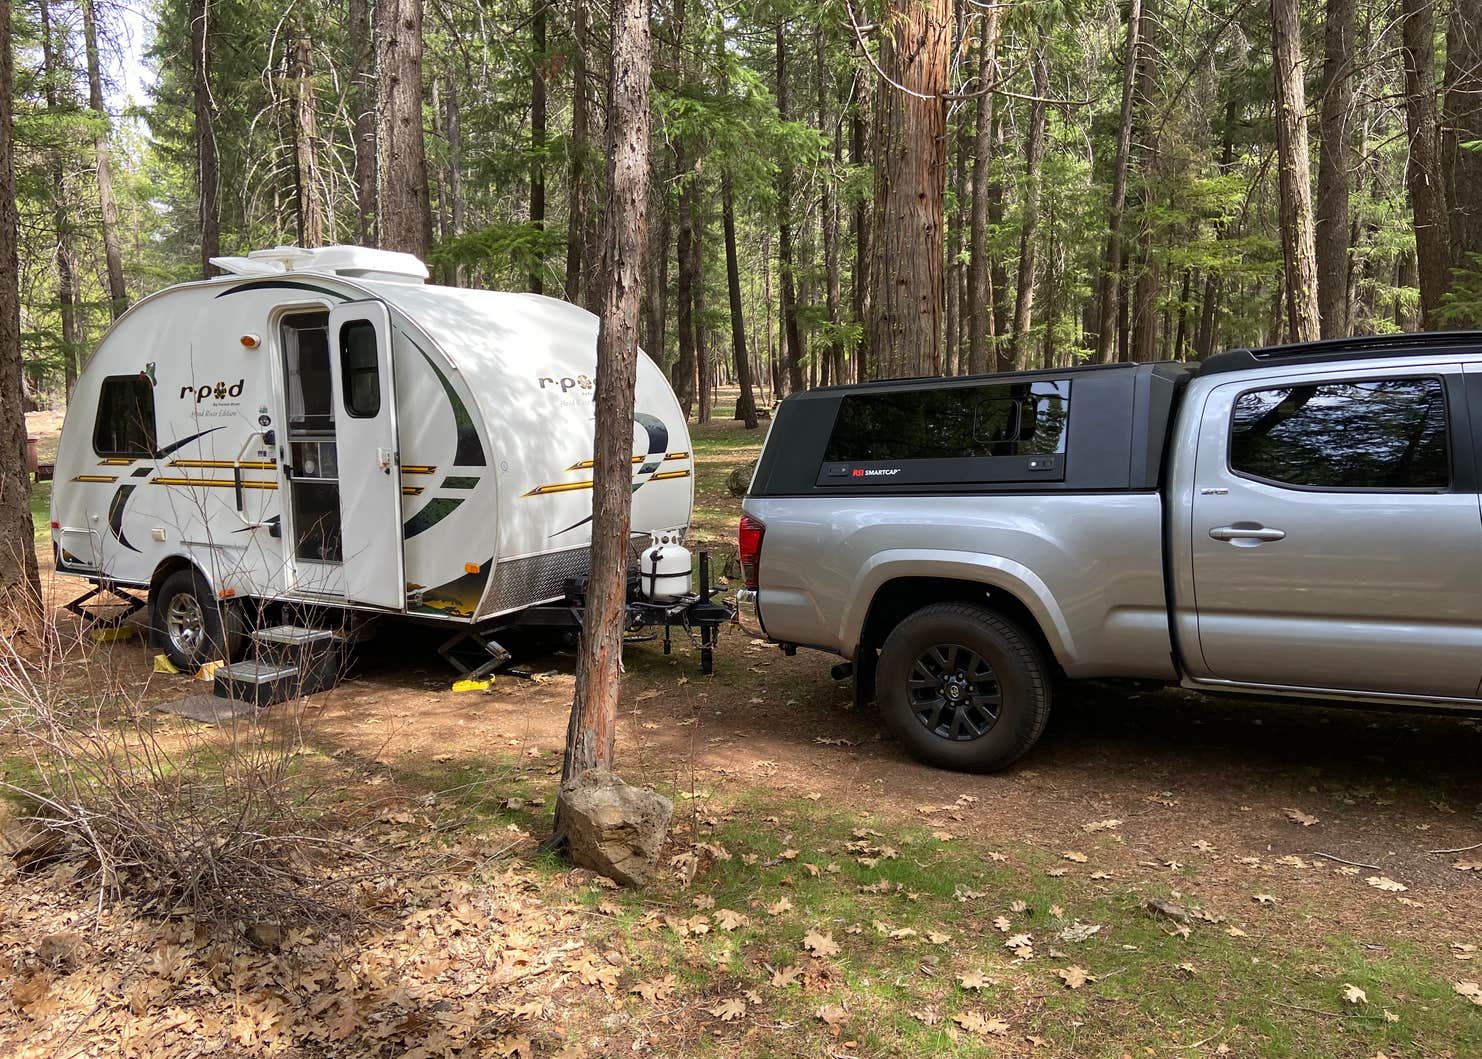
1364	823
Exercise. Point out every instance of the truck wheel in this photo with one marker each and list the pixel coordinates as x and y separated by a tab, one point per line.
963	688
191	625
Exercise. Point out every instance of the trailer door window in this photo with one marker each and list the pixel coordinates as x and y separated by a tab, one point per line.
361	369
313	464
306	359
125	424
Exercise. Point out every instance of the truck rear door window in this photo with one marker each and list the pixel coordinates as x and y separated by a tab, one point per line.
1381	434
125	424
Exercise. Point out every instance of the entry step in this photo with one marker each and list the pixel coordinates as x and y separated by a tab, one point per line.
256	682
293	635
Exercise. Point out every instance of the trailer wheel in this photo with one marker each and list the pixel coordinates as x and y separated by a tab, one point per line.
963	688
191	625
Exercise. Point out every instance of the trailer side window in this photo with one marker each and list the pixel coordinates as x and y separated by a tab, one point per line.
125	423
360	368
1375	434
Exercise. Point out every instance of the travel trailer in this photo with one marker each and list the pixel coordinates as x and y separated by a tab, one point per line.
325	428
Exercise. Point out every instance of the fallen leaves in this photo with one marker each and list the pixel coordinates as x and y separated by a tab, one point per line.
1074	855
728	920
729	1010
1353	994
1384	882
820	945
976	1024
657	990
974	980
1297	816
1471	990
1074	976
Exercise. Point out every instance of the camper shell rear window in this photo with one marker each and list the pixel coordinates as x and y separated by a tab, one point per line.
995	432
125	427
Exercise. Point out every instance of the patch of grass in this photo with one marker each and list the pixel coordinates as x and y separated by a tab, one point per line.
1260	993
41	511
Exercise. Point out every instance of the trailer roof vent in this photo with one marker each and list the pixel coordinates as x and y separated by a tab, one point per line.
356	262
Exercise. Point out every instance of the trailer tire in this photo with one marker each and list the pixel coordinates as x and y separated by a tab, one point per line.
963	688
191	625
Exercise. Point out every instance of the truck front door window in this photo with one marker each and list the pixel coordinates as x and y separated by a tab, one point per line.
1382	434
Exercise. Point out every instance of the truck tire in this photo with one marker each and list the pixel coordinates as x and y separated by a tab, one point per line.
191	625
963	688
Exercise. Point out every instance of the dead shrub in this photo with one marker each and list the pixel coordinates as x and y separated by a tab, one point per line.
218	823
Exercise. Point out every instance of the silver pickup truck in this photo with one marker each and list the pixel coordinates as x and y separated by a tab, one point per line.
1291	521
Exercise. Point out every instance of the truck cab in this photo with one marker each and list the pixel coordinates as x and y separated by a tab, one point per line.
1298	520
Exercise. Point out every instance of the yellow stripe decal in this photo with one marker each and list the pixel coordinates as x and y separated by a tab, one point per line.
116	461
676	456
246	465
215	483
417	468
586	465
558	487
412	490
670	474
96	478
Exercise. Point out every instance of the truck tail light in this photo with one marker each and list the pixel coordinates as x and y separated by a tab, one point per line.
749	549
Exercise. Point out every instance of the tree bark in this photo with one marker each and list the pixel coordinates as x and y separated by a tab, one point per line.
1423	175
859	294
453	130
207	178
1332	223
405	215
745	402
910	174
576	179
69	293
537	136
592	729
310	206
1294	179
1209	308
118	292
1463	161
363	118
1110	293
1034	154
1141	333
982	335
792	337
682	376
20	583
829	222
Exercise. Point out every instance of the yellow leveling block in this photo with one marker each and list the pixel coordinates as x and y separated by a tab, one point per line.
473	685
162	664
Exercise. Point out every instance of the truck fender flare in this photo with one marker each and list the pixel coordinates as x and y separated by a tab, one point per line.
990	571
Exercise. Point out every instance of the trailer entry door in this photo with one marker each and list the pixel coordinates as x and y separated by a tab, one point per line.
370	463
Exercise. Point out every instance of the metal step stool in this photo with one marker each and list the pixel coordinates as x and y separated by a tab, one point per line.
289	661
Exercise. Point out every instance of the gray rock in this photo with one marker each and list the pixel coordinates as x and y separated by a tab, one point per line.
613	828
1169	910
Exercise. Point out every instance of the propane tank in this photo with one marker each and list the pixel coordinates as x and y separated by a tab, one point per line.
664	572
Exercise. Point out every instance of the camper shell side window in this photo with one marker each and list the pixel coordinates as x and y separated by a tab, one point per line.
124	428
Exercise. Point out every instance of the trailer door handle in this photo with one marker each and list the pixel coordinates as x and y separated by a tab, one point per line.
1246	531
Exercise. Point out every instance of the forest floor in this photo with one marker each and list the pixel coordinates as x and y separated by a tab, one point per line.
822	894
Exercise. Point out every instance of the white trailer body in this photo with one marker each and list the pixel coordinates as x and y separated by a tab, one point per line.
324	427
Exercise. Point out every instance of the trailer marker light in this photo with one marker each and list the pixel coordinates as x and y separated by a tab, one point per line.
470	568
227	593
749	550
55	524
251	341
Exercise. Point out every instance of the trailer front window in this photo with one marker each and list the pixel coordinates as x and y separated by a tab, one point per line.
125	424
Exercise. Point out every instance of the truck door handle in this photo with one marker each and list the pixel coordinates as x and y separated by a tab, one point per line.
1246	531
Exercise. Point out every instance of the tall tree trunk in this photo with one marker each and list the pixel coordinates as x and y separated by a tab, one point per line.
207	178
859	294
537	136
1463	161
1034	154
1209	308
118	292
998	269
576	179
363	117
745	401
1110	292
20	584
792	337
592	729
405	217
682	376
1294	179
704	383
910	174
829	221
1423	175
1332	223
305	145
981	332
69	294
1141	341
453	130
